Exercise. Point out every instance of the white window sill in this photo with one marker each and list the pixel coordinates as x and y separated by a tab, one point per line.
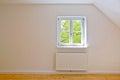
86	46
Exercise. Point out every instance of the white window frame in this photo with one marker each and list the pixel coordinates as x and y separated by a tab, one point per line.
84	32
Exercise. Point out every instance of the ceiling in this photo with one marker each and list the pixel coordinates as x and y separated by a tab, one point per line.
46	1
111	8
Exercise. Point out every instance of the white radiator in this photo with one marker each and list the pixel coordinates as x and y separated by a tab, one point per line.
71	61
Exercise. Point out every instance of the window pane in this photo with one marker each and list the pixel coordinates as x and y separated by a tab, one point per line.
76	25
65	25
64	37
76	37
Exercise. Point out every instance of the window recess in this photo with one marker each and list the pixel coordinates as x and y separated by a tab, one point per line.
71	32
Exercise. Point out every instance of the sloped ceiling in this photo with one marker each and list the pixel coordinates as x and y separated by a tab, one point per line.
110	8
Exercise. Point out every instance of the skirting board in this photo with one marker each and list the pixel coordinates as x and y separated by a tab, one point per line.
59	72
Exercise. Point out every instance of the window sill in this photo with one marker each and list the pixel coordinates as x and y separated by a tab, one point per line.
86	46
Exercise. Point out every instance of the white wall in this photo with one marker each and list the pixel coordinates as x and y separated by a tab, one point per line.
28	37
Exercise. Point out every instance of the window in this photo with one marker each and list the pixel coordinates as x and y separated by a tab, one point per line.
71	31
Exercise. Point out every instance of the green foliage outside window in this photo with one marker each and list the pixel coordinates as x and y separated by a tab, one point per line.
65	31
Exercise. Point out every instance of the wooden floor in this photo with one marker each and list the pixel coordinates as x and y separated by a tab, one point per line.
59	76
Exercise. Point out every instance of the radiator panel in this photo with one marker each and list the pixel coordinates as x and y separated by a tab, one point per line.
71	61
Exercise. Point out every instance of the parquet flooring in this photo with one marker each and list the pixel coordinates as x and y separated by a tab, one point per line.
59	76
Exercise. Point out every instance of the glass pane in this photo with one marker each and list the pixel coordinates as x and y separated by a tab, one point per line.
64	37
77	24
65	25
76	37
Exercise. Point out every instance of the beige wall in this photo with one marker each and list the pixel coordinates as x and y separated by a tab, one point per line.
28	37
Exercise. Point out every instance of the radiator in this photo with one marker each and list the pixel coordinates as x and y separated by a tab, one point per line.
71	61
